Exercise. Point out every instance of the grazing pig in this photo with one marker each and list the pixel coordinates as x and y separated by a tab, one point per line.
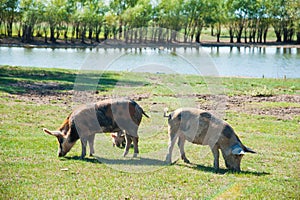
201	127
103	116
118	139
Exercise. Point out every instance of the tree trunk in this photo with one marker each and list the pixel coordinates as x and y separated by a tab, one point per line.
239	35
141	35
57	33
185	35
52	37
159	38
83	35
277	25
90	33
126	32
231	34
9	29
73	34
245	35
146	35
120	30
45	37
218	32
19	31
253	35
197	38
27	34
77	31
278	36
106	33
285	34
136	35
98	31
66	35
265	34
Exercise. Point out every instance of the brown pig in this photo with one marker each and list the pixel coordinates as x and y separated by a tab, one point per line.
101	117
201	127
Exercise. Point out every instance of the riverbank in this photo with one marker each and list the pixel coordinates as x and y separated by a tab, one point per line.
263	112
110	43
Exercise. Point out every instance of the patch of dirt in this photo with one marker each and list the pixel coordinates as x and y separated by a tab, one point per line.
243	104
67	99
251	105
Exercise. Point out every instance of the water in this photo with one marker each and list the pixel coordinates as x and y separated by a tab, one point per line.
217	61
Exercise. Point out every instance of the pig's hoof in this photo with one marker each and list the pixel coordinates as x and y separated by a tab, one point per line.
125	153
168	160
135	155
186	161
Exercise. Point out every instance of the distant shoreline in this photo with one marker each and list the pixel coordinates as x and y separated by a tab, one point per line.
15	42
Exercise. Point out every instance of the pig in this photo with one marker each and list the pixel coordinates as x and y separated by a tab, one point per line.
100	117
201	127
118	139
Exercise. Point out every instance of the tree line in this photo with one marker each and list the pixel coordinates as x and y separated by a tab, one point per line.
245	20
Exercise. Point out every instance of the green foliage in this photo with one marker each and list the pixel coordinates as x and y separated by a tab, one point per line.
251	19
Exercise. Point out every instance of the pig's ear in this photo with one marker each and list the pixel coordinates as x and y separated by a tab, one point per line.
113	135
248	150
237	150
54	133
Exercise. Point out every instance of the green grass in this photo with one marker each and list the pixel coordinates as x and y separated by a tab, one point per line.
30	168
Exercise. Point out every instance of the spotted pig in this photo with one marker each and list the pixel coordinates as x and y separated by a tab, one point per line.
101	117
201	127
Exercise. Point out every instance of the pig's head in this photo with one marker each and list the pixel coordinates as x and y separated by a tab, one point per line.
234	155
64	145
118	139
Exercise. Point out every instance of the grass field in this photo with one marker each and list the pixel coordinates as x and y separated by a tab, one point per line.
264	112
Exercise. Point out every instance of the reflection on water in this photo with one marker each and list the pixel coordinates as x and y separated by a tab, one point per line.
224	61
257	61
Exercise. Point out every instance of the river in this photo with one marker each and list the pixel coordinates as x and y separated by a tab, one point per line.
269	62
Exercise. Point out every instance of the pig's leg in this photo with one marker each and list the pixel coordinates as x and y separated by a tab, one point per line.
172	141
135	145
128	143
91	140
83	147
181	141
216	153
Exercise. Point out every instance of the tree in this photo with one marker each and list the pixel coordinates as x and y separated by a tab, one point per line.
92	17
118	7
241	11
170	16
216	16
31	14
110	25
196	10
8	12
55	15
285	16
136	19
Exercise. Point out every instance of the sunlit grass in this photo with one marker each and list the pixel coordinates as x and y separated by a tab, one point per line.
30	168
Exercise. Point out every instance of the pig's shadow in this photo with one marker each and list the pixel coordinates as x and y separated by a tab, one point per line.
221	170
155	162
139	161
86	159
